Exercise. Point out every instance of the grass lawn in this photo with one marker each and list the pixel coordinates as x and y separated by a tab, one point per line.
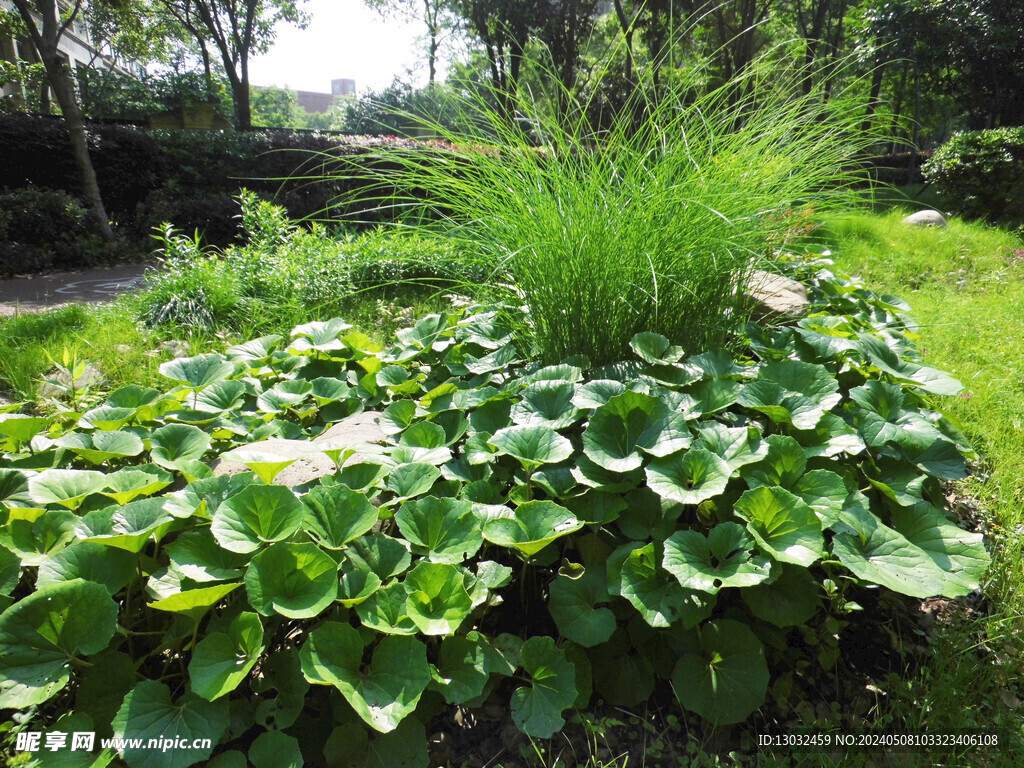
965	286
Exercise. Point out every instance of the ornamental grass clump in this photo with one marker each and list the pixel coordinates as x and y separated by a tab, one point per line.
636	227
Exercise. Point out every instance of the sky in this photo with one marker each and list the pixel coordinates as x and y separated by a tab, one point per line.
344	39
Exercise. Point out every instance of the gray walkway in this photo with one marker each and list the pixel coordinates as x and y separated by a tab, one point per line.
40	292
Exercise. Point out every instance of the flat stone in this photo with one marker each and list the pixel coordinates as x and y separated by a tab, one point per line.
360	431
776	295
175	347
927	218
57	382
359	428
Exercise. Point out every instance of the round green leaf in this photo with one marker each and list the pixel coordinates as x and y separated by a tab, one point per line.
196	556
736	445
66	487
14	490
783	465
462	667
723	559
127	484
109	566
387	611
881	555
41	634
537	709
282	673
383	694
222	660
621	427
356	584
658	597
108	417
690	477
102	446
127	527
547	404
176	444
784	526
573	604
199	371
273	749
728	679
404	747
622	676
336	515
20	427
148	713
788	601
437	598
10	571
35	539
257	514
319	336
446	528
377	552
409	480
959	554
780	405
103	686
194	602
267	464
532	445
596	393
535	525
296	580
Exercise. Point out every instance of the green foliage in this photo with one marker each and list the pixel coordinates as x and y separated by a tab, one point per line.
671	532
648	228
979	174
46	229
284	271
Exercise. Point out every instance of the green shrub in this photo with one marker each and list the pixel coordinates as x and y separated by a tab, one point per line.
637	228
981	174
46	229
540	535
282	271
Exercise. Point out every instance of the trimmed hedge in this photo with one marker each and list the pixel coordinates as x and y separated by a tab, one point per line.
981	174
189	178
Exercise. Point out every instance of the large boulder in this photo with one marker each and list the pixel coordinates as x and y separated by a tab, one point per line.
775	295
361	431
927	218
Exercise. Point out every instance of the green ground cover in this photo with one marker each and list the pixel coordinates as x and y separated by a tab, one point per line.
962	284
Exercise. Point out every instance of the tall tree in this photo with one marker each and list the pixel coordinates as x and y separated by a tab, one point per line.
46	26
563	27
235	29
504	28
435	15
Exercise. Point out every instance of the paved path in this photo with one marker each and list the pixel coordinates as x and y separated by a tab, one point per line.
40	292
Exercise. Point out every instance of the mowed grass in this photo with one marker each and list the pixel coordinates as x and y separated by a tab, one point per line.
965	286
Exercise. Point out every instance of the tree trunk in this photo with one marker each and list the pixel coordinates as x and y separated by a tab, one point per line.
627	33
59	76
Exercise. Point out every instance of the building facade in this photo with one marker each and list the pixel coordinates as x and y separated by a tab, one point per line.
76	45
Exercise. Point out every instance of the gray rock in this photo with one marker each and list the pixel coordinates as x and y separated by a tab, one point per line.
58	383
775	295
175	348
361	431
927	218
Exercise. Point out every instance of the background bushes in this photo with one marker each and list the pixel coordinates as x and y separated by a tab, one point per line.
188	178
47	229
981	174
